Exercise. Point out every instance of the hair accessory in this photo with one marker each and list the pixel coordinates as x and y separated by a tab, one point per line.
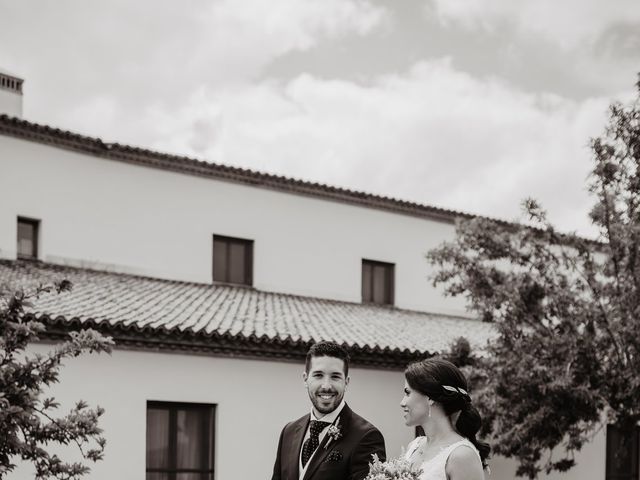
455	389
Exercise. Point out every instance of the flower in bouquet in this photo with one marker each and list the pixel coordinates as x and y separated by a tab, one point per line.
394	469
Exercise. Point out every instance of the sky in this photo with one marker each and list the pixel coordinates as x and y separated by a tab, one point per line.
469	105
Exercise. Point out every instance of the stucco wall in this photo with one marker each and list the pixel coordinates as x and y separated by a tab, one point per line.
127	218
10	102
254	400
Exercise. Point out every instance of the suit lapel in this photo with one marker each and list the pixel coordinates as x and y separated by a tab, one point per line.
324	449
293	455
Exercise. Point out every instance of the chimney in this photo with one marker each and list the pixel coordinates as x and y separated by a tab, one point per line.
10	94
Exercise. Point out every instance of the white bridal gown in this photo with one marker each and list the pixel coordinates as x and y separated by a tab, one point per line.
434	469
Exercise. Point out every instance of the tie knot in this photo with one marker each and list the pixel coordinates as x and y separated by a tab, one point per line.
317	426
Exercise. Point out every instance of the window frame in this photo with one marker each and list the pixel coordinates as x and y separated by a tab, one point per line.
390	273
209	442
615	432
35	223
248	260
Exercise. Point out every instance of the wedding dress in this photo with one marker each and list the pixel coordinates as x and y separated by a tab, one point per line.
434	468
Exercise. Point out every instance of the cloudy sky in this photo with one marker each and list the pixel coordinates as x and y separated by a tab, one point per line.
464	104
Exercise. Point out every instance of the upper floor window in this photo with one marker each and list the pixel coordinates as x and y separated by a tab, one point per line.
180	441
623	446
232	260
28	237
377	282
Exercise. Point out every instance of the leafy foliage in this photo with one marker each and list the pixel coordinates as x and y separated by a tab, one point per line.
565	310
27	421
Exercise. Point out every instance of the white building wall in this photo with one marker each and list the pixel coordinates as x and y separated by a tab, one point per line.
254	399
122	217
126	218
10	102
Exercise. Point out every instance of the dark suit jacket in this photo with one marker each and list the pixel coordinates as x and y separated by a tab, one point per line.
344	459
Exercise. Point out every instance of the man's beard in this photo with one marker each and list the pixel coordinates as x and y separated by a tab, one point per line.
321	405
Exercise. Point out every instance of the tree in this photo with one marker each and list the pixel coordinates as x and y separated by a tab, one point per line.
27	421
566	355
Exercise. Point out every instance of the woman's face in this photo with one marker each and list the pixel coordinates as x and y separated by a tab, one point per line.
415	406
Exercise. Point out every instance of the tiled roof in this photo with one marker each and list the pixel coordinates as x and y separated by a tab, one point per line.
234	320
56	137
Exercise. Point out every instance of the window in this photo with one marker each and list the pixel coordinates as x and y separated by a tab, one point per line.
622	452
232	260
377	282
27	238
180	441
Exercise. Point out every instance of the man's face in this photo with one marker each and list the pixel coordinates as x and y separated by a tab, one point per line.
326	383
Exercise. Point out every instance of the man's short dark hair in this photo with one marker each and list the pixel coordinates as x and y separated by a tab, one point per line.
328	349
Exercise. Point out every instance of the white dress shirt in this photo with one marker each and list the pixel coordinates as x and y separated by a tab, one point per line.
330	418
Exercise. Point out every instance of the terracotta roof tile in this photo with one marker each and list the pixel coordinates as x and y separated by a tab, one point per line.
134	302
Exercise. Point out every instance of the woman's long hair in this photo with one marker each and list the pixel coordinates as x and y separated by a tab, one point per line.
444	383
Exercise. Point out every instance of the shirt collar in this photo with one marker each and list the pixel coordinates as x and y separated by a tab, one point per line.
329	417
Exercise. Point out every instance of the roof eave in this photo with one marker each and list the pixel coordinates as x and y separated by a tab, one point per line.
222	345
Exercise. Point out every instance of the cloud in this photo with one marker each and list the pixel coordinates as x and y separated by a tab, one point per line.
239	38
569	24
190	80
432	134
156	54
290	24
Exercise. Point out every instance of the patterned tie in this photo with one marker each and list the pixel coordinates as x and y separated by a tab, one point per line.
313	441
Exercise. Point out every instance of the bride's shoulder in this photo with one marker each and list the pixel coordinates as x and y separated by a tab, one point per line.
464	462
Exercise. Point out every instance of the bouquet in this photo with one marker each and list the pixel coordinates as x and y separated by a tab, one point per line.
394	469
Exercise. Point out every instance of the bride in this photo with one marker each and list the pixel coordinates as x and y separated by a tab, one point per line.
436	398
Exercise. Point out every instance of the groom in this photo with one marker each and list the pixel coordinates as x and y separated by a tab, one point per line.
332	442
